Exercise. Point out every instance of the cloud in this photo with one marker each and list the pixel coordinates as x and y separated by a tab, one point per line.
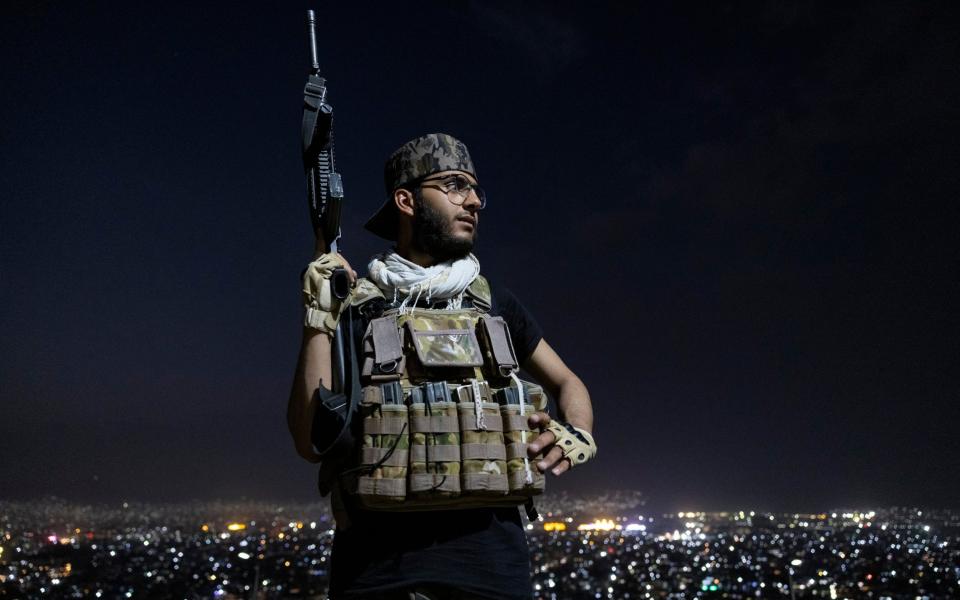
550	41
869	103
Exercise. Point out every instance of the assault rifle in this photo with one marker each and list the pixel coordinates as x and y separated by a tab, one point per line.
331	424
324	186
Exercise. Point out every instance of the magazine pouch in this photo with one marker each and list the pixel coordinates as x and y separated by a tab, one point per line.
434	442
482	451
383	358
382	478
516	406
498	347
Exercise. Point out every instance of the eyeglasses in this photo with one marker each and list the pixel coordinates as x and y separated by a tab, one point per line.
457	186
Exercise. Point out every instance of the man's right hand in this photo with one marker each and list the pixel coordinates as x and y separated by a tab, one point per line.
323	308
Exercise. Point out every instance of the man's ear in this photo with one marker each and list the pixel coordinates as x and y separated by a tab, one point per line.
403	200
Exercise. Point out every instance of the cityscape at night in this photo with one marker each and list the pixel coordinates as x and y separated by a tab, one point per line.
721	237
582	548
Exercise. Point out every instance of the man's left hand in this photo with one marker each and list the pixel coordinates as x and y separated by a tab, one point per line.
574	448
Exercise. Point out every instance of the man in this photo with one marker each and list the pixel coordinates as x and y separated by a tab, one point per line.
432	214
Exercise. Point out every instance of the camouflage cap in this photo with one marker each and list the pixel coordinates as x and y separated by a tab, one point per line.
414	160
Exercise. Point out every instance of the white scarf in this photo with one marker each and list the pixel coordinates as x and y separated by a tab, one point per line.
445	281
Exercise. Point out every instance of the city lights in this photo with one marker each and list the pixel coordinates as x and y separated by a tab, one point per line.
598	525
587	549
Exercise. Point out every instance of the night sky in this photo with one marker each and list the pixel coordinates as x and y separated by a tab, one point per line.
737	222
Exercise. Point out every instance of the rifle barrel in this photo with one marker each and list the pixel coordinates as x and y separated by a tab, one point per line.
312	32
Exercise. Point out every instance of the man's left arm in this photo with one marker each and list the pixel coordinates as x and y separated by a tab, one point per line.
573	404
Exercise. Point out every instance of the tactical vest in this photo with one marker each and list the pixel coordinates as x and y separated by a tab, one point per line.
444	415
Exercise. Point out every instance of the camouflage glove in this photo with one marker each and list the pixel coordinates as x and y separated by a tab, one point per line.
577	445
323	308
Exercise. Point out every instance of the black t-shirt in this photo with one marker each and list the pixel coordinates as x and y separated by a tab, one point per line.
482	551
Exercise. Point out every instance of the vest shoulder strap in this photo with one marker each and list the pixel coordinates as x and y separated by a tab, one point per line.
479	292
365	291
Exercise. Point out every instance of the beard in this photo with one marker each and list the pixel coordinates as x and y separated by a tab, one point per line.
432	234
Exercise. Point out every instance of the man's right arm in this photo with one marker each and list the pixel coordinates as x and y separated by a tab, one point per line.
313	367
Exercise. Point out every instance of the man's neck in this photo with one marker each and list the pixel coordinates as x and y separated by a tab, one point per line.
415	256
